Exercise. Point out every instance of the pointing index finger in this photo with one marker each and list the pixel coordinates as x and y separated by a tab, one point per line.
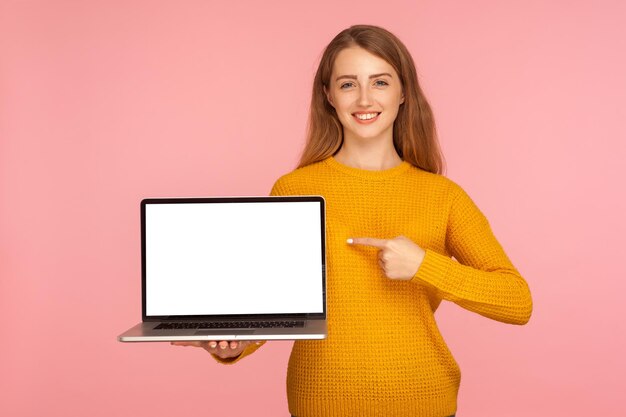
368	241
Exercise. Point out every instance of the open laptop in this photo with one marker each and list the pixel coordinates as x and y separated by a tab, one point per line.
232	268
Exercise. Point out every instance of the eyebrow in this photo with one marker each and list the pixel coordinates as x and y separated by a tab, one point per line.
353	77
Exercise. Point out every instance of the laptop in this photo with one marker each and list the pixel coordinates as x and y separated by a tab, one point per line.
232	268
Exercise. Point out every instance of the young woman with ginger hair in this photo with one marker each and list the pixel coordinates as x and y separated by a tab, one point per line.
393	224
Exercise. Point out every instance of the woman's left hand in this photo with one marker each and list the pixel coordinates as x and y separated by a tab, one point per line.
400	257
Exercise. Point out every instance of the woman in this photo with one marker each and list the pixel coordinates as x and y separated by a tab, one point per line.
393	223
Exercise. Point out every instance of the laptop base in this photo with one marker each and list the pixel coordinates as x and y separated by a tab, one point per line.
145	332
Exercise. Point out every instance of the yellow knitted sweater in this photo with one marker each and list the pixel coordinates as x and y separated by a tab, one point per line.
384	355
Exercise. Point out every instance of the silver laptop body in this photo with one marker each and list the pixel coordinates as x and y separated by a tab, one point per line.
232	268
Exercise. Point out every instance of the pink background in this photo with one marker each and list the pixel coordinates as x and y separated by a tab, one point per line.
104	103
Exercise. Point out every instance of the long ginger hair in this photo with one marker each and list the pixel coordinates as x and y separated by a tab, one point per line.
414	133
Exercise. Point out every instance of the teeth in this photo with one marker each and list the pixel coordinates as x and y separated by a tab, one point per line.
367	116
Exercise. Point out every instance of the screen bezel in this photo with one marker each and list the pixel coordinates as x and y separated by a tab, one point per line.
255	199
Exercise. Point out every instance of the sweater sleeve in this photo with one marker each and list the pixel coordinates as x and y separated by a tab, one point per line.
483	280
277	189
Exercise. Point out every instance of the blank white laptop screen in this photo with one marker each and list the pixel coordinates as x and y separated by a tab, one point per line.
233	258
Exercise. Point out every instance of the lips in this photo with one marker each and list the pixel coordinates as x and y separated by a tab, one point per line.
365	118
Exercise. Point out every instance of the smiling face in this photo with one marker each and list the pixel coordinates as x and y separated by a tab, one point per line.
366	93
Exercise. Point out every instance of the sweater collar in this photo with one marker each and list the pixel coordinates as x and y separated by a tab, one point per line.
365	173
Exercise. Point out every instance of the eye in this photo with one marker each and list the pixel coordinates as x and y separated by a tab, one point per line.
381	83
346	85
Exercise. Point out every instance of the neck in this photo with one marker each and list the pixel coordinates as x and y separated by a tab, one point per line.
370	156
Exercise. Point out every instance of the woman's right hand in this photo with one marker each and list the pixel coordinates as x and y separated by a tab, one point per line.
223	349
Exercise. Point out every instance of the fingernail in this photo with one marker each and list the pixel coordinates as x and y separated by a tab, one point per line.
350	241
223	346
212	344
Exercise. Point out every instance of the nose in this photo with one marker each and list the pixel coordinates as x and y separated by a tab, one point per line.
364	96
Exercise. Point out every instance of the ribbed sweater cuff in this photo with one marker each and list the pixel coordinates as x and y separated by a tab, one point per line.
435	271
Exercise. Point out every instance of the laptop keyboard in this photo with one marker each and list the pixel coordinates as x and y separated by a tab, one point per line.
230	325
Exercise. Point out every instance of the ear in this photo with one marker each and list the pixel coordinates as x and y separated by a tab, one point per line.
328	97
402	99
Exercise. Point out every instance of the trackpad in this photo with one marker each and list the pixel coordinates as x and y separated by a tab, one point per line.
210	332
